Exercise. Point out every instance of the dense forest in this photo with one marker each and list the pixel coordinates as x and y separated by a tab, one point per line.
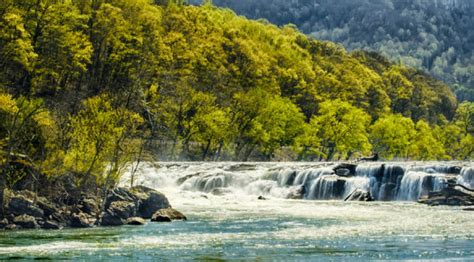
434	35
87	87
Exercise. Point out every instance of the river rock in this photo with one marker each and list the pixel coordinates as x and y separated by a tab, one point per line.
120	194
448	196
117	213
170	213
80	220
3	223
160	218
50	225
10	227
89	206
345	169
296	192
150	201
135	221
25	221
20	205
359	195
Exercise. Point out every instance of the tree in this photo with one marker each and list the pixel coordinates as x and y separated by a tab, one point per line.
101	142
424	144
342	129
392	135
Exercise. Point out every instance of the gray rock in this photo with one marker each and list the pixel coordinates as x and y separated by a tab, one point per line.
135	221
51	225
296	192
80	220
89	206
160	218
171	213
448	196
359	195
11	227
25	221
117	213
3	223
150	201
20	205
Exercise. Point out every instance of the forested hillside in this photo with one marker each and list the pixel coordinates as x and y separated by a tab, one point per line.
88	86
434	35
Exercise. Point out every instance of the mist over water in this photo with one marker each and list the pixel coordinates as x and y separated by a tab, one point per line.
226	221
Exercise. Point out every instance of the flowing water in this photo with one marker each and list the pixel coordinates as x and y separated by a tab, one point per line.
302	218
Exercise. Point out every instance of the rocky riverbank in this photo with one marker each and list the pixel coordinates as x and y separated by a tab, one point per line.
122	206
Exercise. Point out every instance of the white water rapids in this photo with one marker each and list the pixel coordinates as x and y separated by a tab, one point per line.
405	181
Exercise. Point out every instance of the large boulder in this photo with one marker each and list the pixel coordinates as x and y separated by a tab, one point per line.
120	194
135	221
150	201
359	195
25	221
170	213
80	220
21	205
118	213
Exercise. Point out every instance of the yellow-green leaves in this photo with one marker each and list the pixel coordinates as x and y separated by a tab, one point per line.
392	136
342	129
98	138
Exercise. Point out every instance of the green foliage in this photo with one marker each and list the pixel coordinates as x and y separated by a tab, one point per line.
434	36
342	129
392	135
99	139
85	83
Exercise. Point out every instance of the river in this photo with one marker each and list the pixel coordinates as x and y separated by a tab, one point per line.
226	221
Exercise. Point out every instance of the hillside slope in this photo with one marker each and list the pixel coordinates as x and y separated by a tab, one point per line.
436	36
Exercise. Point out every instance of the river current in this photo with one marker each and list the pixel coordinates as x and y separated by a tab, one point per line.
302	216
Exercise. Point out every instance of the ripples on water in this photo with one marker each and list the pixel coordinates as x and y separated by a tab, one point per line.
237	226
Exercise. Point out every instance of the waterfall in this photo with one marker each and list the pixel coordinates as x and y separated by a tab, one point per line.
415	184
466	177
404	181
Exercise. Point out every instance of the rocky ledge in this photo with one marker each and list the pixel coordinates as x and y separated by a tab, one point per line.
122	206
454	195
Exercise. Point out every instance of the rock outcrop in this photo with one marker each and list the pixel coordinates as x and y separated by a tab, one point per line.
121	207
359	195
164	214
448	196
150	201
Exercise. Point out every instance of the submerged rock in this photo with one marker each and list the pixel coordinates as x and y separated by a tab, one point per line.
171	213
262	198
135	221
359	195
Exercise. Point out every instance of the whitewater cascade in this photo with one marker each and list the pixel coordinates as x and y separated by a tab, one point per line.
404	181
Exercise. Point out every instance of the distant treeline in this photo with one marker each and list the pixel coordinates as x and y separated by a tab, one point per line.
88	87
434	35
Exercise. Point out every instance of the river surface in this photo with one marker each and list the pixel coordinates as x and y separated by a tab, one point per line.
227	222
